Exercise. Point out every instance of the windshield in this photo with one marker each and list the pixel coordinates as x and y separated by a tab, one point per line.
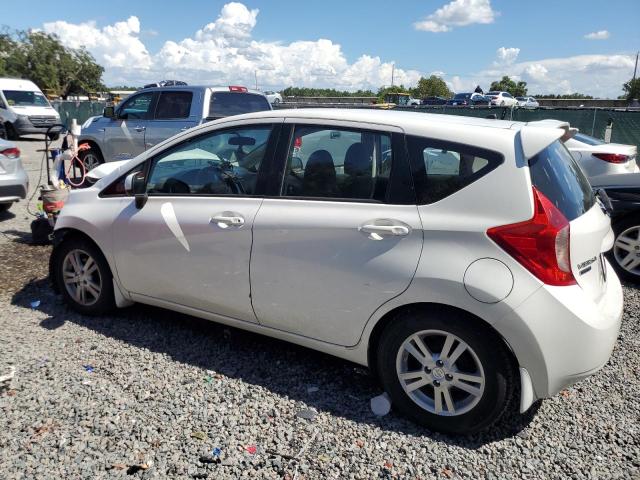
461	96
581	137
493	94
225	104
557	175
21	98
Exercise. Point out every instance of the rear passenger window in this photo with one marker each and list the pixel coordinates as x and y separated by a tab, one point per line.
326	162
442	168
173	105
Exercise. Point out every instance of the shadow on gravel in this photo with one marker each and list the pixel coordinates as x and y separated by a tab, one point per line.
6	215
344	389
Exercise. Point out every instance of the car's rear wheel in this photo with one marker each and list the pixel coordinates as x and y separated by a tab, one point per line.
10	131
5	207
83	277
446	371
625	255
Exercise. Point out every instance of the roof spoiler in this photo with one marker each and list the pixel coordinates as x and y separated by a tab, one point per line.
536	136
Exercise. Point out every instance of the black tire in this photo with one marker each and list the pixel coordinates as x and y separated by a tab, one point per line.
4	207
500	373
619	227
85	155
11	132
3	131
105	300
53	137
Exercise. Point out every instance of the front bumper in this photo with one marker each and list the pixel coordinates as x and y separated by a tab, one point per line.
14	186
560	335
24	126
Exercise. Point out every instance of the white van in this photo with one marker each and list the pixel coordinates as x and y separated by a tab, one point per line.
24	109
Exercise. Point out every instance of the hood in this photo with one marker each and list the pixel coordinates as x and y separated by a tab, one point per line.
105	169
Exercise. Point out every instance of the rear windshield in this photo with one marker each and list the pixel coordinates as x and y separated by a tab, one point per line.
557	175
225	104
462	95
581	137
22	98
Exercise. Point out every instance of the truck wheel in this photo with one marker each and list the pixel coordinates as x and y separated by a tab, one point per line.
91	158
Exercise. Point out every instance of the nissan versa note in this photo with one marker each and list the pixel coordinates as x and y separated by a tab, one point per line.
460	259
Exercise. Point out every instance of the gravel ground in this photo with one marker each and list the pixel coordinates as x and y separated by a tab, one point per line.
148	393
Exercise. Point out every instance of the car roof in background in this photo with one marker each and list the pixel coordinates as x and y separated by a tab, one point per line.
18	84
224	88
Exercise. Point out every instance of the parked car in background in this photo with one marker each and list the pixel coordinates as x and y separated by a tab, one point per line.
623	190
25	109
152	115
501	99
468	99
298	224
599	158
14	181
274	97
434	101
527	102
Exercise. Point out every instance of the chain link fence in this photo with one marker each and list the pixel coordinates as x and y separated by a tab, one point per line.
592	121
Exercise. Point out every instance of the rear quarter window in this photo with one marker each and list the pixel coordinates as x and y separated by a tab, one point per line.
225	104
557	175
442	168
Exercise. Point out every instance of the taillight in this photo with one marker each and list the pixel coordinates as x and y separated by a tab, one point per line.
541	244
297	143
10	152
236	88
612	157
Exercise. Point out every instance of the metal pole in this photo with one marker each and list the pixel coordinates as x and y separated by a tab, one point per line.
635	69
256	75
593	126
393	67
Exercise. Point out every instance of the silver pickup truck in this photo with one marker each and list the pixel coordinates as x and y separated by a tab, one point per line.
152	115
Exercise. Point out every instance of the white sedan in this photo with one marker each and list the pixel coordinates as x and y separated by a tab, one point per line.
599	158
273	97
527	102
502	99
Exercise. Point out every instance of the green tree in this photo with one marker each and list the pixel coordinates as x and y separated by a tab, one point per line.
41	58
518	89
382	91
323	92
433	86
632	89
575	95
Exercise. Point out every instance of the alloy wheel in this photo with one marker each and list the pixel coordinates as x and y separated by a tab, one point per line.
626	250
440	372
81	277
90	161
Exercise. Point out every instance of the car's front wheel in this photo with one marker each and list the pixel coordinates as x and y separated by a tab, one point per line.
446	371
90	158
83	276
625	255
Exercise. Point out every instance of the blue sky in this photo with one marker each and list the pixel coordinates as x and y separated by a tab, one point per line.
269	40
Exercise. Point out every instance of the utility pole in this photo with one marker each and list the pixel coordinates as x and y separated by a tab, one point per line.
256	75
635	70
393	67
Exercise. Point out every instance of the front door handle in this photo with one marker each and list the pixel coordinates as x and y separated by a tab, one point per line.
228	219
140	129
378	232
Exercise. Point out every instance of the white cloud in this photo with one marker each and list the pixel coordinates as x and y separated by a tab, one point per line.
599	35
225	52
457	13
506	56
116	45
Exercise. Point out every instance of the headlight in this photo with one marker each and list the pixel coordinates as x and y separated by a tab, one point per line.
88	122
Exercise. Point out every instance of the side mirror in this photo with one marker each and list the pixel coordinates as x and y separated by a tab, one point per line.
134	185
109	112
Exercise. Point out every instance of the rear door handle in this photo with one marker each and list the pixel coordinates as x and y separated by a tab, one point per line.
140	129
377	232
228	219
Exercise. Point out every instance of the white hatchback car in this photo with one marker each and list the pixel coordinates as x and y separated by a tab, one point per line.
502	99
460	259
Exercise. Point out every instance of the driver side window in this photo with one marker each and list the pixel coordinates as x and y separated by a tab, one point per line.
218	163
136	107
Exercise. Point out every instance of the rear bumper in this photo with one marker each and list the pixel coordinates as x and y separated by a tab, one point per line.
14	186
560	336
